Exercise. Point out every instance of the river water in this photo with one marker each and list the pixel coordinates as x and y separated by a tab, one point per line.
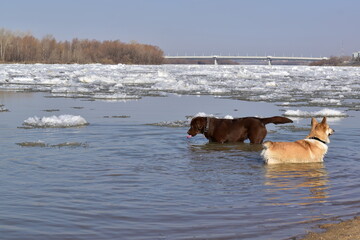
131	173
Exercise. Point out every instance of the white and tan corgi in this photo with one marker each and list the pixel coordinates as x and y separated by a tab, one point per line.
311	149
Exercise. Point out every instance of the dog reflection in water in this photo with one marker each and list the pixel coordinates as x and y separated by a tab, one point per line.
299	184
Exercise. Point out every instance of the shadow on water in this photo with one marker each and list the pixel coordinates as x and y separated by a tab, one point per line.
234	155
225	166
228	147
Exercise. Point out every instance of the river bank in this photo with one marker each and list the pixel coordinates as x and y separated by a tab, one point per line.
346	230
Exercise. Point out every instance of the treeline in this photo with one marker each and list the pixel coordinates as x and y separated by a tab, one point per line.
24	48
336	61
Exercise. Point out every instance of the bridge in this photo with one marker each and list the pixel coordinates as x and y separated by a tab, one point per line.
269	59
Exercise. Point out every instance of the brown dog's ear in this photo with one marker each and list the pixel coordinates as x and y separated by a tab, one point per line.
324	120
200	123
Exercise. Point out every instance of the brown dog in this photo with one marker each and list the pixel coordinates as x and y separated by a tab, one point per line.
311	149
233	130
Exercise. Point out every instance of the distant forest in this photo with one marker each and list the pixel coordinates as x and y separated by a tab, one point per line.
337	61
17	47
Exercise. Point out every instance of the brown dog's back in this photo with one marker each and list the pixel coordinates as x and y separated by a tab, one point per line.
233	130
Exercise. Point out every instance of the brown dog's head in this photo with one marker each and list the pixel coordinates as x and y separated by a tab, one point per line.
197	125
321	130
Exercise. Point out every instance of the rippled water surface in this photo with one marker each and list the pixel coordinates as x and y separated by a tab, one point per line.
131	173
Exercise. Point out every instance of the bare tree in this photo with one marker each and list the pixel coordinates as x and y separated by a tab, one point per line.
5	40
25	48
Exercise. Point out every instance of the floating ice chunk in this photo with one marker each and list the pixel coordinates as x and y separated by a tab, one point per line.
59	145
285	104
115	96
202	114
69	144
96	79
3	109
271	84
326	101
32	144
326	112
61	121
179	123
23	79
229	117
163	74
71	90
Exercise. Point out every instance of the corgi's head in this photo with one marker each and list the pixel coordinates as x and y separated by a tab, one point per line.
320	130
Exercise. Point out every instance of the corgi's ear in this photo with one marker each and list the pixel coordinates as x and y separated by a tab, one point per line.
324	120
314	122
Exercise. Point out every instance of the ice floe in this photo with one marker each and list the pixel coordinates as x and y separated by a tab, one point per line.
202	114
114	96
176	123
185	123
3	108
326	112
62	121
59	145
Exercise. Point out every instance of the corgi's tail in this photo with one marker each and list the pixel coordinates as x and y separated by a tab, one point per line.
267	144
265	152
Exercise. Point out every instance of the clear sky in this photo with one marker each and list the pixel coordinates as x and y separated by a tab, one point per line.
223	27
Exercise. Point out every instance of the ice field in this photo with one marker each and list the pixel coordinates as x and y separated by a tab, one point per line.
319	86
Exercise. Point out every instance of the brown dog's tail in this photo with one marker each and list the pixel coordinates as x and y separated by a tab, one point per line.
275	120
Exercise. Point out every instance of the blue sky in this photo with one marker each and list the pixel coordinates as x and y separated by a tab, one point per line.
253	27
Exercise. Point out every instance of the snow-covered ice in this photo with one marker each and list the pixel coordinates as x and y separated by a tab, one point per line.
61	121
3	108
321	113
323	86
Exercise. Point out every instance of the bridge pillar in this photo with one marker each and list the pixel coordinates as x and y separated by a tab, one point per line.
215	61
269	61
